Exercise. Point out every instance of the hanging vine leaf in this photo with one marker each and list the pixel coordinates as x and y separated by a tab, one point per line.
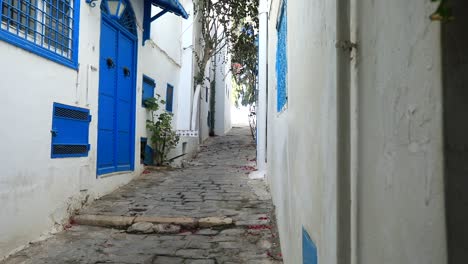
443	12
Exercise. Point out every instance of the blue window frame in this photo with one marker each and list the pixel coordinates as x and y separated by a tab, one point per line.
282	59
169	97
148	89
70	131
48	28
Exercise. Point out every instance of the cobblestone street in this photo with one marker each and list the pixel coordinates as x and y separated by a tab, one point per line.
207	212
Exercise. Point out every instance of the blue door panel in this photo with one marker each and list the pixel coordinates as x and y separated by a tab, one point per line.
106	112
124	120
108	51
106	117
116	100
106	149
124	91
125	62
123	151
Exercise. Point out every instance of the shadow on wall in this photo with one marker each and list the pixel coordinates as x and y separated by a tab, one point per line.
455	83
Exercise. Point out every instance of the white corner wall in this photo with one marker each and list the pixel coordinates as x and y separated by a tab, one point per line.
223	94
400	160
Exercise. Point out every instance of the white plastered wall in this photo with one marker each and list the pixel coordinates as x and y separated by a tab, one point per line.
223	94
302	138
400	193
397	133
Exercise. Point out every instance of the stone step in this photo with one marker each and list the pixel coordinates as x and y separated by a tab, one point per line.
123	222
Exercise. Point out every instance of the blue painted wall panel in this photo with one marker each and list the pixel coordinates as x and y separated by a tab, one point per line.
309	250
282	59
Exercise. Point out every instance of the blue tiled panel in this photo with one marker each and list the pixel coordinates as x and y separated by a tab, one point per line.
309	250
282	59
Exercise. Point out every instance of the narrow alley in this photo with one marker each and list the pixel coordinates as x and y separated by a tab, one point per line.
209	211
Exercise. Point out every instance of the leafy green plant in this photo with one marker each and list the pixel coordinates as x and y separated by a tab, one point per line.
218	22
245	61
443	12
159	125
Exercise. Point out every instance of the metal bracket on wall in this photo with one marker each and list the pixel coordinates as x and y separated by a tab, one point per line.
346	45
91	3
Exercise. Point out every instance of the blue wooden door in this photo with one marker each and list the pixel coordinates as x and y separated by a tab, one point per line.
116	100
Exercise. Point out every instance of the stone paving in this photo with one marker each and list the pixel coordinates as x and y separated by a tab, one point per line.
214	184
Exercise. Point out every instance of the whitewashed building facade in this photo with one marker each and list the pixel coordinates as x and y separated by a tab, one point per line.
75	74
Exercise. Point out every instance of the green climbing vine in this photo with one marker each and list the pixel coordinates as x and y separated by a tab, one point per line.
443	12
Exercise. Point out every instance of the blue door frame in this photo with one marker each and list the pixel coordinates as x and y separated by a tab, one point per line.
116	125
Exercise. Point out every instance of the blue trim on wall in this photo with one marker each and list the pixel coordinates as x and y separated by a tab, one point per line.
146	21
309	250
169	101
282	59
173	6
43	52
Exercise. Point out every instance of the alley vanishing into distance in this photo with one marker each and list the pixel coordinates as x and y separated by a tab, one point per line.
208	212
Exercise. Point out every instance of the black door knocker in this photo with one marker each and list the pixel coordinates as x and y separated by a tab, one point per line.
126	71
110	63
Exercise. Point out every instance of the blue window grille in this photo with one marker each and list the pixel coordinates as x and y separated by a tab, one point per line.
70	131
169	97
48	28
309	250
148	89
282	59
127	18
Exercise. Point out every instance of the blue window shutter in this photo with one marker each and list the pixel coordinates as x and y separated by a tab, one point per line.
70	131
148	89
309	250
169	97
282	59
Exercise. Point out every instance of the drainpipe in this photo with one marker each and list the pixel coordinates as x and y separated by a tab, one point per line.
354	119
262	86
345	201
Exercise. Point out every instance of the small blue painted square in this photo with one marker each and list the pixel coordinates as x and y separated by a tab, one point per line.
309	250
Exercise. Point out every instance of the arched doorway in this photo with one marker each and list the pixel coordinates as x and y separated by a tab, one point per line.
117	88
